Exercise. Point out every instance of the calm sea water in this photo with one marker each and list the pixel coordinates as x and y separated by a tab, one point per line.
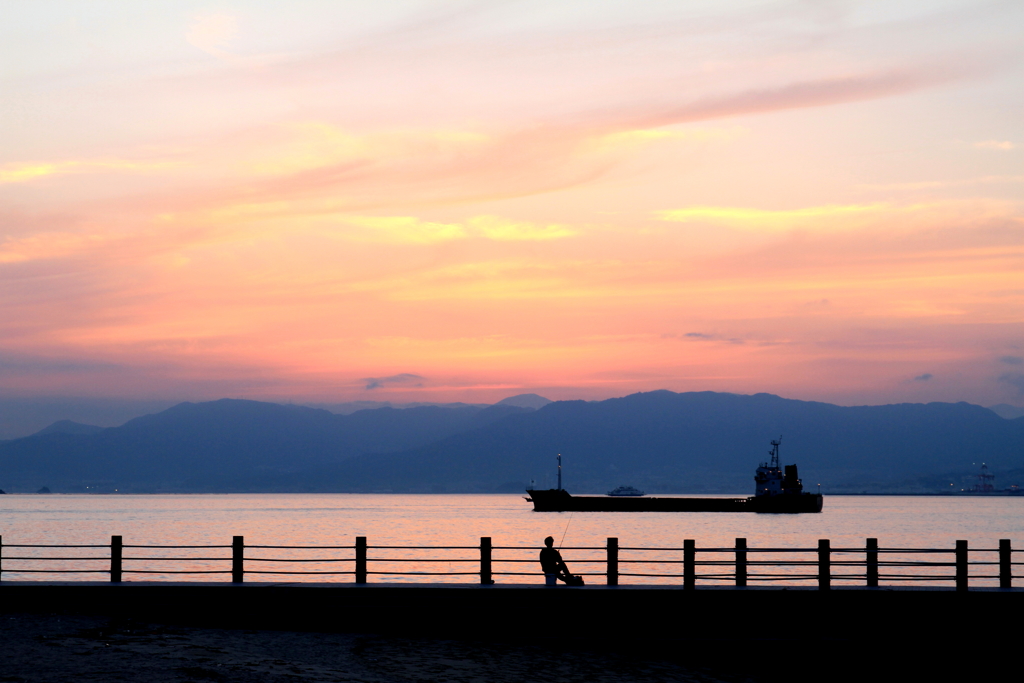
460	520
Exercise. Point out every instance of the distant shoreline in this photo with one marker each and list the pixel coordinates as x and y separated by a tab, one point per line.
948	494
951	494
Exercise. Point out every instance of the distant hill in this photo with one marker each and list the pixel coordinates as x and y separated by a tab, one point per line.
69	427
706	441
660	441
349	407
525	401
1007	412
223	445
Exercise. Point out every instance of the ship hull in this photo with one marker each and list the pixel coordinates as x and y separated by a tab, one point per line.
555	500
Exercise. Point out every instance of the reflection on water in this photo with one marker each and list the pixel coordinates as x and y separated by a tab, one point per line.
460	521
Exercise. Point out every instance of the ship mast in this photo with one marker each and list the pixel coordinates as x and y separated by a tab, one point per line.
559	471
775	452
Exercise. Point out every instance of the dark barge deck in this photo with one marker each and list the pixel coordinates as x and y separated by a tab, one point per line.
560	500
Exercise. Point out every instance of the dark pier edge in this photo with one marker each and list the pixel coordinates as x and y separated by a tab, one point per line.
846	613
754	634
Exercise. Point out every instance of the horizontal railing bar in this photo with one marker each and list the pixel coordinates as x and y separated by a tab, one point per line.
776	577
200	547
406	559
56	571
172	559
728	575
312	559
427	573
915	577
541	573
44	559
36	545
984	576
574	560
423	547
795	563
540	547
270	572
495	559
729	550
175	571
301	547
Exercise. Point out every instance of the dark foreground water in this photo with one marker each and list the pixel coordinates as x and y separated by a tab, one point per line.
460	520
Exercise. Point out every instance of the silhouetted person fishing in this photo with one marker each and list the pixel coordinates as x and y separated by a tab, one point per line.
553	566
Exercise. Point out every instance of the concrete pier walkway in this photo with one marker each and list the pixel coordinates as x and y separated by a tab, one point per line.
845	612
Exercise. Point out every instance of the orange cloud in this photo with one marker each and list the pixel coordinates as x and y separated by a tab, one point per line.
24	172
815	93
411	230
1002	145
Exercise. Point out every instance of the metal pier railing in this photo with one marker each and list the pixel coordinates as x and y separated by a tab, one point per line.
687	565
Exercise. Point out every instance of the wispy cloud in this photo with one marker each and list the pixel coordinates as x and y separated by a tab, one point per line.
1002	145
941	184
405	229
1015	380
840	218
212	32
411	230
404	379
813	93
27	171
764	219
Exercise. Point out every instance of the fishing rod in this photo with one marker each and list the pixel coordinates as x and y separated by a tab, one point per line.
566	529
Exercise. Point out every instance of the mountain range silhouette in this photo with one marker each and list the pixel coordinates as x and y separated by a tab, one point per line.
660	441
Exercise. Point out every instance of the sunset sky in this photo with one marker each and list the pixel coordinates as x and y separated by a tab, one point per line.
461	201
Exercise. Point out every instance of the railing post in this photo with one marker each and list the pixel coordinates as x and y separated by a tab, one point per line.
237	559
741	562
1	557
360	559
1005	564
612	572
824	565
485	561
115	559
689	564
961	565
871	562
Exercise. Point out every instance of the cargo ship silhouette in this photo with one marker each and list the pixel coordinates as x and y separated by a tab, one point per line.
777	490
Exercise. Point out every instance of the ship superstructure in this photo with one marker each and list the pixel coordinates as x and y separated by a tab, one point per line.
771	480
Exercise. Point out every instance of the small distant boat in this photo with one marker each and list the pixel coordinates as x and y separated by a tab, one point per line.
626	491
